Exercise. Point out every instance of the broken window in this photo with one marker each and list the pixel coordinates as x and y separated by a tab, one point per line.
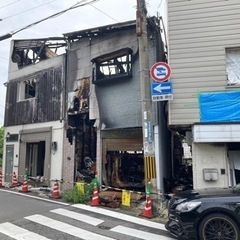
27	89
233	65
27	52
115	65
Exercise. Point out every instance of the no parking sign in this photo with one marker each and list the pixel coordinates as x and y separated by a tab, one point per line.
160	72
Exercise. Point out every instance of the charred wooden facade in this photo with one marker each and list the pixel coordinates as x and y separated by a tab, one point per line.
34	111
45	103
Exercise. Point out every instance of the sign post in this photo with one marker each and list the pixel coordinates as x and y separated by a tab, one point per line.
162	88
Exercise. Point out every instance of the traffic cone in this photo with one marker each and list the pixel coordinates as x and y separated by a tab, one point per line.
1	185
55	192
95	197
147	211
14	180
25	185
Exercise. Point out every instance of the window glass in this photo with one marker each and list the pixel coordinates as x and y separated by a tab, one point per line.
233	65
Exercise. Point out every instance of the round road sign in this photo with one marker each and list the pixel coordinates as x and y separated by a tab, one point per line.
160	72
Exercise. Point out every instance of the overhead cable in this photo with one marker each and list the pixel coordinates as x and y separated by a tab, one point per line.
13	15
9	4
105	13
77	5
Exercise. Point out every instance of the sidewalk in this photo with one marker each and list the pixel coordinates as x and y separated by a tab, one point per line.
160	212
135	209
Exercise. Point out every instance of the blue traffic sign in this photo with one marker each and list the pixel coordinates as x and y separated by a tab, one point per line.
161	88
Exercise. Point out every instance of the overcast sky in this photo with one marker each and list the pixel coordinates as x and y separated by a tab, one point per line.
17	14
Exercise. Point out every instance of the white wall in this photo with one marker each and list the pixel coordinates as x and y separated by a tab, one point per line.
209	156
56	157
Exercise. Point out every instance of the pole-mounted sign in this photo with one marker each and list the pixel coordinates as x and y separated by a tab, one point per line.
160	72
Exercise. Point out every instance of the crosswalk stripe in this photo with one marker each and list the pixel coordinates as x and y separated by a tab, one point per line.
66	228
121	216
19	233
139	234
78	216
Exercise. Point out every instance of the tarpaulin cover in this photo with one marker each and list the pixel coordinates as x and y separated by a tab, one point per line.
220	106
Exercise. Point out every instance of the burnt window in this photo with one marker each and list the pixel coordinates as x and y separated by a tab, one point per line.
28	52
113	66
27	89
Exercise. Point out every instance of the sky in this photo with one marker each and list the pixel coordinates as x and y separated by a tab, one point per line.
17	14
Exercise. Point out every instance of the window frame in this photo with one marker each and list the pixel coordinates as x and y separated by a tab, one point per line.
115	60
26	90
232	77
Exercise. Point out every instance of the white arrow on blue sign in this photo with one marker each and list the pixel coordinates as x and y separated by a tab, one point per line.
161	88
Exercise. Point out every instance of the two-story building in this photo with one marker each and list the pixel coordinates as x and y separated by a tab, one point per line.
204	53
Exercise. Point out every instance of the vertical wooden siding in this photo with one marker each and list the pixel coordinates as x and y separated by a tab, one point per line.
46	106
199	31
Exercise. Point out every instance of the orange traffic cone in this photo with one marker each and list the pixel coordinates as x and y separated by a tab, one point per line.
14	180
55	192
1	185
95	198
25	185
147	211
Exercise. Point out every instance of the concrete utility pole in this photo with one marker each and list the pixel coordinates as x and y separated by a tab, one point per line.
147	126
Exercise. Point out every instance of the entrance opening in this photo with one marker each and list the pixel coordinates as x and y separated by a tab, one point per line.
35	158
234	162
9	162
125	170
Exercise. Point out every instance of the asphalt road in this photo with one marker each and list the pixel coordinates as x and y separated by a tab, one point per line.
14	206
26	217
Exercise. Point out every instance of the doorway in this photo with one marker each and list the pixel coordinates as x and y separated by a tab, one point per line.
234	163
35	157
9	162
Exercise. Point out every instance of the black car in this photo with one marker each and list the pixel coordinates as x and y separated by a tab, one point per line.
205	214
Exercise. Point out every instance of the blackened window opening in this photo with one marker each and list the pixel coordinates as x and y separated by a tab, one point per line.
115	65
30	89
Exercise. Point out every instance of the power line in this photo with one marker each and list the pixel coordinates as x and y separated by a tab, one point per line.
9	4
4	58
16	14
78	4
160	4
104	13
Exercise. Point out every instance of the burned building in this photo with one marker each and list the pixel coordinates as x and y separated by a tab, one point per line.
77	113
108	57
34	111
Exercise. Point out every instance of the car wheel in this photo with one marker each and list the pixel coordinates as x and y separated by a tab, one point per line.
218	227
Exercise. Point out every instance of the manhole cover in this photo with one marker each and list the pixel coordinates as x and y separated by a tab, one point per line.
104	227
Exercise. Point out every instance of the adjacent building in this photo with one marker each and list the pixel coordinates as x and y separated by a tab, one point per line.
204	53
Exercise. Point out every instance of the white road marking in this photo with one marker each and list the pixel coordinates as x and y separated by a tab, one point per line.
19	233
78	216
139	234
35	197
121	216
66	228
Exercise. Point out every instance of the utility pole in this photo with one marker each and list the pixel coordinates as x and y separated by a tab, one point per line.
147	126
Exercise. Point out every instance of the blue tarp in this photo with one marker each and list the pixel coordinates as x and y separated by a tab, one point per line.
220	106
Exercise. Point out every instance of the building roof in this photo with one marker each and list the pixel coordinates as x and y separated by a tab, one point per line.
92	32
